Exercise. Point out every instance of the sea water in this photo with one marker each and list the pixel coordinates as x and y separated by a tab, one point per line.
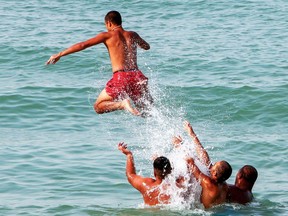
222	65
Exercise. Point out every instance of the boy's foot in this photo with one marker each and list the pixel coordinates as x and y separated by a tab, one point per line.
127	106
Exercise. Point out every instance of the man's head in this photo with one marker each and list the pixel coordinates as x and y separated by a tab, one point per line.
221	171
246	177
162	167
113	17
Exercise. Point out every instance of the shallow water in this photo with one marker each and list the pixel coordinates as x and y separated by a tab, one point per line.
222	65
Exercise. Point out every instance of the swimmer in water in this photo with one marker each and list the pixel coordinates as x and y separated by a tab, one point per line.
241	191
214	186
152	189
128	82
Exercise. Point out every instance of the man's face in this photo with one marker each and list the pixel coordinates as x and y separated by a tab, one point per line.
238	178
213	171
106	25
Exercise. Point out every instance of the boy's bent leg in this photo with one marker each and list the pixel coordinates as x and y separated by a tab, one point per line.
106	103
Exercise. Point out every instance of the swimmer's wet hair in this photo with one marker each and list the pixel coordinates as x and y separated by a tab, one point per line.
162	164
114	17
224	171
249	173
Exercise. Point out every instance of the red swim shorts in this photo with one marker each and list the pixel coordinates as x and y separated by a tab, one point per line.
127	83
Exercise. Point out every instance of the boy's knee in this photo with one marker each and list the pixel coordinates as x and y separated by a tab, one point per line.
97	108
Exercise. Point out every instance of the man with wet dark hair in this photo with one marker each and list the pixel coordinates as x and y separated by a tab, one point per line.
241	192
162	167
128	82
152	190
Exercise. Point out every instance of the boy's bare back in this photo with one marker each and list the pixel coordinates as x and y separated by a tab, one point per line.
122	48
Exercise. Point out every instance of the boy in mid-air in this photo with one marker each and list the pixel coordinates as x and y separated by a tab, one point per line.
127	81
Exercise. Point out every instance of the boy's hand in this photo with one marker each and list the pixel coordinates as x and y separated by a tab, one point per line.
53	59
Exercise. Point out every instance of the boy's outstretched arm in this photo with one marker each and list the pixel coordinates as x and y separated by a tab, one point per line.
78	47
204	157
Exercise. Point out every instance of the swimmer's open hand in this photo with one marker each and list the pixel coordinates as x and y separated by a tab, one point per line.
123	148
53	59
190	161
177	141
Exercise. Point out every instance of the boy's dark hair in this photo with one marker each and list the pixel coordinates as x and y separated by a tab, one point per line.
162	166
114	17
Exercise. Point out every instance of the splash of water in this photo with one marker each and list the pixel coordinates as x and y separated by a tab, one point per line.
159	129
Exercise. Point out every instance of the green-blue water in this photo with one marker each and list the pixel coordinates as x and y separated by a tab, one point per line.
222	65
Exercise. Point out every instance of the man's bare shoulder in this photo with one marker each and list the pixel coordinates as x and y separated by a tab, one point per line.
103	34
148	180
100	37
239	196
145	183
206	181
234	190
141	179
132	34
130	31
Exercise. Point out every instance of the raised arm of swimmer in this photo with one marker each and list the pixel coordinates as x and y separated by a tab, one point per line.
150	188
132	178
204	157
137	181
196	171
